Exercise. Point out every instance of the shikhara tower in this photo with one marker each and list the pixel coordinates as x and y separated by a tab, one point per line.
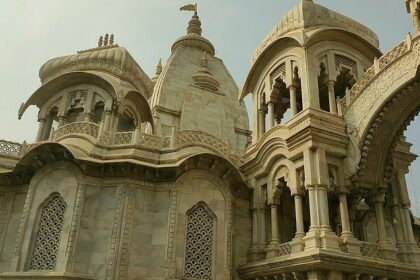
132	177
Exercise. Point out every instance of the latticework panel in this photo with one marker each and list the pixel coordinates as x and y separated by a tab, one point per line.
47	241
199	244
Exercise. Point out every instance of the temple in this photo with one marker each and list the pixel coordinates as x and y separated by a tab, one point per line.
163	177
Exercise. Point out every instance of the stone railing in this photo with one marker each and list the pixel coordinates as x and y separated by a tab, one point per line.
148	141
123	138
88	128
187	138
370	250
285	249
11	148
180	140
370	74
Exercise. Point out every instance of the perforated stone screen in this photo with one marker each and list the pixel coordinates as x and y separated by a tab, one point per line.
47	241
199	244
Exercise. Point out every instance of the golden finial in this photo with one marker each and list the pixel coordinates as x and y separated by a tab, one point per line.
100	41
106	39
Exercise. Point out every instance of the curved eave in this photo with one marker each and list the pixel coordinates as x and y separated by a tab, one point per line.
48	89
256	70
326	33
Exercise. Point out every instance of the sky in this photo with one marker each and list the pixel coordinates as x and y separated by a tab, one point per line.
33	32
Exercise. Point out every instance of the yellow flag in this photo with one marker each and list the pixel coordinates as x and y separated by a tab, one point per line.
189	7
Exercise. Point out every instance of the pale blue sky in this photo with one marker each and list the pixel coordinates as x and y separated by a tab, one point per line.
34	31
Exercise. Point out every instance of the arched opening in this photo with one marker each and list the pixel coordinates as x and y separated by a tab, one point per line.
51	122
75	115
323	88
345	80
98	112
286	212
126	122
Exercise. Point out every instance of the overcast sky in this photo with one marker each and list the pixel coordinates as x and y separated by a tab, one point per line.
34	31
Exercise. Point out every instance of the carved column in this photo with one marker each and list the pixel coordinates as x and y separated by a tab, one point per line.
261	122
87	117
380	220
107	120
352	244
61	121
273	248
331	97
47	129
297	242
388	250
293	100
323	207
41	129
344	215
270	106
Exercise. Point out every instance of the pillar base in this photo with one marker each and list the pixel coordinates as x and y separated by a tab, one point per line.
352	245
257	252
312	240
388	251
329	240
297	244
272	250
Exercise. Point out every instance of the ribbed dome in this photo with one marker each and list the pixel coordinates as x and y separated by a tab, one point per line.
110	59
308	17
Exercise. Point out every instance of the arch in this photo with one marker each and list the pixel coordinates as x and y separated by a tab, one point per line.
137	105
259	65
379	112
346	37
176	205
50	88
45	246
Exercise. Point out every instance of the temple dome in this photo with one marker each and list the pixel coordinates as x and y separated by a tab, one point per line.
308	18
111	59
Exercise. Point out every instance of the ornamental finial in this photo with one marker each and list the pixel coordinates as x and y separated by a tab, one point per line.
194	25
159	68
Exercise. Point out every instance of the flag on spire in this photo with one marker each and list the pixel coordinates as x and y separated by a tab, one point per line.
189	7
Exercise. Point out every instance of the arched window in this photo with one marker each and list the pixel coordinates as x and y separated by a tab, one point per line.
97	114
199	244
47	240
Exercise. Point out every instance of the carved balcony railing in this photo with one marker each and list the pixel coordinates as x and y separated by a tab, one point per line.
370	250
123	138
87	128
285	249
148	141
11	148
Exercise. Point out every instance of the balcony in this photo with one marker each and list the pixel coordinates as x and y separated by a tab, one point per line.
91	138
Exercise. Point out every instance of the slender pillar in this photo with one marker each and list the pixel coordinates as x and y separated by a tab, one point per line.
274	224
41	128
380	220
323	207
47	129
87	117
61	121
270	106
300	231
344	215
331	97
107	120
313	211
273	247
261	122
293	100
261	226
